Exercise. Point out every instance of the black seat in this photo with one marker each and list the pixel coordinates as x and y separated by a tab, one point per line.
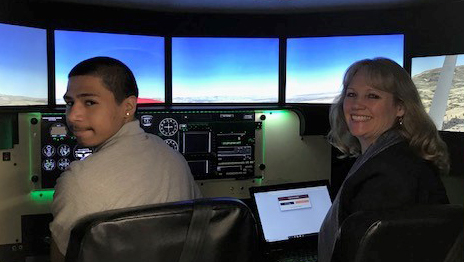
416	234
216	229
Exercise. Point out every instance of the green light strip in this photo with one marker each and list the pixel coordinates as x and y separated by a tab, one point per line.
42	195
263	128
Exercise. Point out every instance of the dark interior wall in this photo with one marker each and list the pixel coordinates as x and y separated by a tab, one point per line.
20	13
437	30
101	19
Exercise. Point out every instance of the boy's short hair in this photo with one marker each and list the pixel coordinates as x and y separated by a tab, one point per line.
115	75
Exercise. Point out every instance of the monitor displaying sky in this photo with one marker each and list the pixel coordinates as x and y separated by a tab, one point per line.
225	70
316	65
426	72
144	55
23	66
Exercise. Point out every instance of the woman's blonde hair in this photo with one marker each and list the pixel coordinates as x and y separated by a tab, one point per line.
415	126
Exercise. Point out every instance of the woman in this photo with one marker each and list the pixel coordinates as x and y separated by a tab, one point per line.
379	118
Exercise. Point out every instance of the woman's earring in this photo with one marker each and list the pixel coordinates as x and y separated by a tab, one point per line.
400	120
127	114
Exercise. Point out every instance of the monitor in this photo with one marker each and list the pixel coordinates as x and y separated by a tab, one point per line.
316	65
23	66
291	211
144	55
439	82
225	70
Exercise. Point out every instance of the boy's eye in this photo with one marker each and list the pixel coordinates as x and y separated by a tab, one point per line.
90	102
69	103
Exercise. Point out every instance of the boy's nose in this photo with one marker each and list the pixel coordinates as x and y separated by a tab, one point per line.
74	113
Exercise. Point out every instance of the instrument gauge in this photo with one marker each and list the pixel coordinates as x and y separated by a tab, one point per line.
48	164
81	153
146	120
58	130
48	150
64	150
63	163
168	127
172	144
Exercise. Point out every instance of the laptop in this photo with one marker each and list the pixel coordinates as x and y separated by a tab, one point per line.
289	217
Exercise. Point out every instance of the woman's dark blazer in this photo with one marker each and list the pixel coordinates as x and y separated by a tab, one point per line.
394	178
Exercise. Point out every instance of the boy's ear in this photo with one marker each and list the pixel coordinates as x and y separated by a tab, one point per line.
130	105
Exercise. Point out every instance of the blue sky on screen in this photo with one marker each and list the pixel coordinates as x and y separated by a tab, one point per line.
144	55
225	69
316	65
421	64
23	61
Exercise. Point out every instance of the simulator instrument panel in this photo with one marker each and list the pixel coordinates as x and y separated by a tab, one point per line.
215	144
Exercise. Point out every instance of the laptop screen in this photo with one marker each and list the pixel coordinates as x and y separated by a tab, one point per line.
291	211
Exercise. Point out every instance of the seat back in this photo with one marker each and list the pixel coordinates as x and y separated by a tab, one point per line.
421	233
216	229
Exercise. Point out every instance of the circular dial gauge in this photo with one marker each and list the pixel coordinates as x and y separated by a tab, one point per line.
168	126
64	150
48	164
63	163
172	144
48	150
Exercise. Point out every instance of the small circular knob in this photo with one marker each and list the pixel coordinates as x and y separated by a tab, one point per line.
35	179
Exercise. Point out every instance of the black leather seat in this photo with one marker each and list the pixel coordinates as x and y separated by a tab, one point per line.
217	229
416	234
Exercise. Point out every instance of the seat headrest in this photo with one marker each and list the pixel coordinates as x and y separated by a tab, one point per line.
420	233
222	229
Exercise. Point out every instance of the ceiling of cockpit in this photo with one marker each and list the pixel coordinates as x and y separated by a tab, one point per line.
254	6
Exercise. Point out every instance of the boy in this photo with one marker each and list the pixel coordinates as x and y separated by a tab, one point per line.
128	168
